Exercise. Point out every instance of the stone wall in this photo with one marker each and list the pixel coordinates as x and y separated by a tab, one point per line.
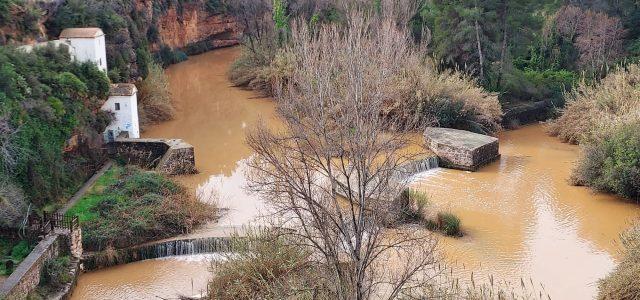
525	113
26	277
169	156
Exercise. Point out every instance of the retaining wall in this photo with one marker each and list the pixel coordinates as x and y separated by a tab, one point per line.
169	156
26	277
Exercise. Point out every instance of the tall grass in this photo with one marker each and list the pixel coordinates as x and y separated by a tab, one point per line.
605	119
425	97
597	108
266	266
624	281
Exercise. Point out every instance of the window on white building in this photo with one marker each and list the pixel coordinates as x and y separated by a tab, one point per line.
117	106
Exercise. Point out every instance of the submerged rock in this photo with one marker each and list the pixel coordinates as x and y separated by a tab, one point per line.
459	149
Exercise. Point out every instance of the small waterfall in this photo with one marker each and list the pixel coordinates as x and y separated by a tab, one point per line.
185	247
415	167
158	250
419	166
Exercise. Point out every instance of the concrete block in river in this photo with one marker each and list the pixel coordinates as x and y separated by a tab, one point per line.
459	149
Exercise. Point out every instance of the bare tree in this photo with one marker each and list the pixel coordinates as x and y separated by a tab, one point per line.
256	18
13	205
597	36
332	172
10	152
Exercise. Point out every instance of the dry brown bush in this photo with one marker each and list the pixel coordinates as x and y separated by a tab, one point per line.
154	103
598	108
424	97
624	281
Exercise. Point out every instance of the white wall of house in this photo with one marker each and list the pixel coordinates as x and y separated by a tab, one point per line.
125	109
89	49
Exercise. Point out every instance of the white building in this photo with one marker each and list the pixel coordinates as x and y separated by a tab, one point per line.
123	103
86	44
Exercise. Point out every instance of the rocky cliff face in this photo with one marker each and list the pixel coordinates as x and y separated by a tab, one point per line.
132	28
195	26
191	25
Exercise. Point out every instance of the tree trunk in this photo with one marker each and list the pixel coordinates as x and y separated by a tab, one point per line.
503	50
480	56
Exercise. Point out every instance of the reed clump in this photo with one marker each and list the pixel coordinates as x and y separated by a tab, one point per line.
624	281
265	265
416	209
595	108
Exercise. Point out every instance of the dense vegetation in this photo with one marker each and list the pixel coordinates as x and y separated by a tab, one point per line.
525	51
418	94
19	17
12	252
605	119
154	98
128	206
531	50
45	100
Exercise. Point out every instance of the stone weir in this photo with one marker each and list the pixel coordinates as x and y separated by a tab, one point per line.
169	156
98	260
459	149
402	175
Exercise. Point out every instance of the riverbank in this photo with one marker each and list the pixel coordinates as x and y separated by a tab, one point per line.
520	216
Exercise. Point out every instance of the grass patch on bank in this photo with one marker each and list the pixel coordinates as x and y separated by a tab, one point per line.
128	206
84	208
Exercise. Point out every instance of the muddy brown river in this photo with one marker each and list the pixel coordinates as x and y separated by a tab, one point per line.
520	216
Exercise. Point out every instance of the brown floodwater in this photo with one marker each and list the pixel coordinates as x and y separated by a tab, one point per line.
166	278
522	219
520	216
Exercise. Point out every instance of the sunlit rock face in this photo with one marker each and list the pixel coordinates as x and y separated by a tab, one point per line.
459	149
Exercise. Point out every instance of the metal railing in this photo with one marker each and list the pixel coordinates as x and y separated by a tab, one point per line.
50	221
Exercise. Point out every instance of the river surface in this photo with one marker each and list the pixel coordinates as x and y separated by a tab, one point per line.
520	216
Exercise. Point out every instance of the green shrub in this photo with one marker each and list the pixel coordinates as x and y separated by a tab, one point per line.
610	162
55	272
168	56
20	251
449	224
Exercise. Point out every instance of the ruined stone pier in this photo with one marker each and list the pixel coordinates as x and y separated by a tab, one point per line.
459	149
169	156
